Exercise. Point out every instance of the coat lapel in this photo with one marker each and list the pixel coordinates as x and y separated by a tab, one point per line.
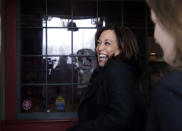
95	82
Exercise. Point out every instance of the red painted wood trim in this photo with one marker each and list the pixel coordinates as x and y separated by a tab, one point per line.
41	125
0	65
40	121
10	60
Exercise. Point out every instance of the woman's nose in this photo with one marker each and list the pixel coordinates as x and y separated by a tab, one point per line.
101	47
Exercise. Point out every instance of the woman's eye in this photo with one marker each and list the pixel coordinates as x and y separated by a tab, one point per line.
98	43
107	43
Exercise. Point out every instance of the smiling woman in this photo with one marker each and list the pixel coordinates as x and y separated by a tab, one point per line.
118	42
112	100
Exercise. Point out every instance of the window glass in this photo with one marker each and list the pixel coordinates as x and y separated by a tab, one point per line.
33	99
33	70
85	66
85	9
109	12
32	13
57	60
60	98
61	9
84	39
63	71
134	13
58	42
31	41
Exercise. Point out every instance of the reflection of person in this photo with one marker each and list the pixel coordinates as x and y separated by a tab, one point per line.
86	65
112	100
62	74
166	107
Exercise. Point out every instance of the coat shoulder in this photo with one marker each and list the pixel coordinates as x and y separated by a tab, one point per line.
171	81
119	65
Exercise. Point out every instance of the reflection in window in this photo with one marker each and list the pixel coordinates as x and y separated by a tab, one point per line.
58	39
54	82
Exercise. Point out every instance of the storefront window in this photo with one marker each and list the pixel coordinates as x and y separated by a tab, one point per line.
56	49
57	58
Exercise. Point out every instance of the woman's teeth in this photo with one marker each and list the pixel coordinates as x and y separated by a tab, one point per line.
102	59
102	56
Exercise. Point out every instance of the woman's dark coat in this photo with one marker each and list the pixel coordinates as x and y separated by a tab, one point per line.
166	108
112	101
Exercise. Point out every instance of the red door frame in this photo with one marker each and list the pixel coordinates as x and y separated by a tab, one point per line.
0	66
10	60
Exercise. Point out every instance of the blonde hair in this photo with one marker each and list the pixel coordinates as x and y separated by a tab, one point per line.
169	14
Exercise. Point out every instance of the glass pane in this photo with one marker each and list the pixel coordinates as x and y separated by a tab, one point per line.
32	12
33	70
31	41
85	9
84	39
79	90
84	23
63	71
59	42
56	22
109	12
32	99
60	98
135	13
85	66
60	9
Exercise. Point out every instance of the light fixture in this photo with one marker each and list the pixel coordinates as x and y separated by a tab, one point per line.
72	26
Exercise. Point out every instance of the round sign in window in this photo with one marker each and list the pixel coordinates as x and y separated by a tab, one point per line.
27	104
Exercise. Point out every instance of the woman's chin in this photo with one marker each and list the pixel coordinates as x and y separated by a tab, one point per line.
102	63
